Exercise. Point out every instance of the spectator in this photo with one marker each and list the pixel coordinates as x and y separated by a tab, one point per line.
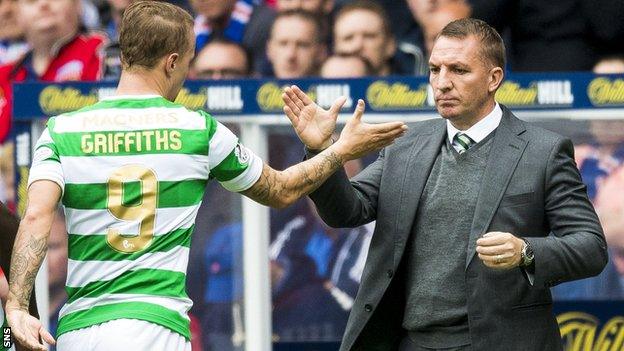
116	8
11	44
346	66
237	20
311	261
433	18
296	47
221	59
112	61
601	163
224	287
610	65
59	51
303	309
362	28
319	7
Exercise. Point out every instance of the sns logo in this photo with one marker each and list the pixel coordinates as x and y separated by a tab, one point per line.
579	332
6	337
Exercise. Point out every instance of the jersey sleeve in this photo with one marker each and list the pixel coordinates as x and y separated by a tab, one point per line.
236	167
46	163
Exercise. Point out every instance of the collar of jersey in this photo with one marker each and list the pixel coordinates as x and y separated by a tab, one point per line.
131	97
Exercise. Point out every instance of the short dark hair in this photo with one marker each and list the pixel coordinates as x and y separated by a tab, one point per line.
367	5
150	30
221	40
492	48
306	16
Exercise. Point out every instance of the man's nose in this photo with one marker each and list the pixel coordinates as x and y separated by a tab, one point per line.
444	81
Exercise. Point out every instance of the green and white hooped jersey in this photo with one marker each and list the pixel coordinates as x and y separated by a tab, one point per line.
133	171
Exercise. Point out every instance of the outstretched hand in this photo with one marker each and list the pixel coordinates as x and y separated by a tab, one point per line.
313	124
358	138
28	330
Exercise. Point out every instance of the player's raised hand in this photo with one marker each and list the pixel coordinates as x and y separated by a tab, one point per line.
358	138
313	124
28	330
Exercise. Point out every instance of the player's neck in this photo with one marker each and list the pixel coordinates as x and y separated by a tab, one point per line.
139	83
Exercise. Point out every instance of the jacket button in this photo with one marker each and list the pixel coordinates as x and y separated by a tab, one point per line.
368	308
390	273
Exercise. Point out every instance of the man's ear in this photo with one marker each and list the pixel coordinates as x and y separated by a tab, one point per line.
171	63
496	78
391	47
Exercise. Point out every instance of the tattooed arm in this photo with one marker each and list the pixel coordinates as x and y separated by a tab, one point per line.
282	188
30	248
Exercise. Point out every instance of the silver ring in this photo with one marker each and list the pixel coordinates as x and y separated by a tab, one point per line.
499	258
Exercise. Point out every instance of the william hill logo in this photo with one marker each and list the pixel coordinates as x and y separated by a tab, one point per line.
540	93
190	100
54	100
383	96
604	91
269	97
579	332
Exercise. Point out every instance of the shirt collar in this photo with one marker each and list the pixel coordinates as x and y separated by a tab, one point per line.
481	129
130	97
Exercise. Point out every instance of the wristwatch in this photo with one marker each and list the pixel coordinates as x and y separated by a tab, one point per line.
526	255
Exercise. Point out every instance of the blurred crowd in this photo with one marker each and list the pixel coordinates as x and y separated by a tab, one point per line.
315	270
61	40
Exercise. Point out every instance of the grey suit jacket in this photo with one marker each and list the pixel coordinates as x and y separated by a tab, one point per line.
531	188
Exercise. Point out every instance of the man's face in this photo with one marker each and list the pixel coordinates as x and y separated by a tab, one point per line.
361	32
49	18
220	61
459	78
9	26
314	6
293	48
343	67
213	9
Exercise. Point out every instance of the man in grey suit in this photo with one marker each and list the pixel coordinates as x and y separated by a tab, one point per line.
478	214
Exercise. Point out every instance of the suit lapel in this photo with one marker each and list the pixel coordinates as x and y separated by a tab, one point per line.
507	148
421	157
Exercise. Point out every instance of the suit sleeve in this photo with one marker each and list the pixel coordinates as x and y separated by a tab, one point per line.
343	203
577	247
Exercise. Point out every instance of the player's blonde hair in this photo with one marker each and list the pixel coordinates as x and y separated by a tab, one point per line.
151	30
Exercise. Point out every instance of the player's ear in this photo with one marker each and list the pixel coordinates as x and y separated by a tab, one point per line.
172	63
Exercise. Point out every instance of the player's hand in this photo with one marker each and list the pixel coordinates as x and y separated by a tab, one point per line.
500	250
358	138
313	124
28	330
